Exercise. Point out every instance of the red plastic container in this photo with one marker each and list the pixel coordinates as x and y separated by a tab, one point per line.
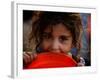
52	60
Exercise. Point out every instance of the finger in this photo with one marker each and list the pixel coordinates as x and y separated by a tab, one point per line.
31	56
26	58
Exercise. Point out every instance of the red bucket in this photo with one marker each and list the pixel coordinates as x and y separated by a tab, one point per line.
52	60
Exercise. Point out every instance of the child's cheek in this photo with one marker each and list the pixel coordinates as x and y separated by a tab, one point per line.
65	48
45	45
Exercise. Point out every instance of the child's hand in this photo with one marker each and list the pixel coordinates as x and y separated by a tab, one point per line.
28	57
81	62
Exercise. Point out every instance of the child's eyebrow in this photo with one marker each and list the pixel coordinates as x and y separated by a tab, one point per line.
46	33
67	36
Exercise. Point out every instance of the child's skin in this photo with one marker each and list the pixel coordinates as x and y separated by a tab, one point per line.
57	37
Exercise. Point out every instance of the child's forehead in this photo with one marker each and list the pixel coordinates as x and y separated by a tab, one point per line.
57	29
55	26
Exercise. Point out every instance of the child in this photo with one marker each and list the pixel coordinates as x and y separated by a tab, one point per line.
56	32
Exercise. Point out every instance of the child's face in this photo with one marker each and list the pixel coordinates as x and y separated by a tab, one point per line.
57	40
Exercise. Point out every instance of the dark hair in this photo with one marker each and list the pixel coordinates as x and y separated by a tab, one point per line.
27	15
45	19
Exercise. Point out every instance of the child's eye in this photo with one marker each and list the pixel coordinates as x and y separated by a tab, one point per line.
63	39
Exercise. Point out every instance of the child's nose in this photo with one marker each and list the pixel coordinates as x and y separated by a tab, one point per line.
55	46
